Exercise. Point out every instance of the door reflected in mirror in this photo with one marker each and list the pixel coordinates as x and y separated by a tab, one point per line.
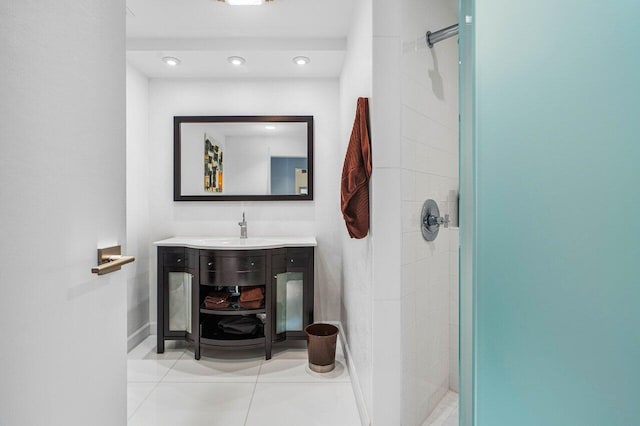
232	158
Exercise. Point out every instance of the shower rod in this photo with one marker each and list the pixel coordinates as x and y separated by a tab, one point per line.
443	34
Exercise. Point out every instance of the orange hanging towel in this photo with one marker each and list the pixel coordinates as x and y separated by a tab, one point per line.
356	172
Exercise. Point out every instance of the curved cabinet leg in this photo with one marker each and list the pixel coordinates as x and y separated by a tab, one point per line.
160	344
267	348
196	340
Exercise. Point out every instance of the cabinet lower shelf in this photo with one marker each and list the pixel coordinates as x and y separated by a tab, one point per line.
232	311
254	342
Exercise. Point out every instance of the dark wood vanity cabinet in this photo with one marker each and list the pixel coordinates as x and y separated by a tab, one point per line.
291	272
177	273
186	276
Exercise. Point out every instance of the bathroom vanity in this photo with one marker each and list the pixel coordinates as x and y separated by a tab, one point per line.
204	284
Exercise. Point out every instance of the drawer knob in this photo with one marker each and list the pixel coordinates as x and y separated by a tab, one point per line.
291	260
252	264
179	260
210	263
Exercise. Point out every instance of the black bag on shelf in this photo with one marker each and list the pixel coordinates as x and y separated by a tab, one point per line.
239	325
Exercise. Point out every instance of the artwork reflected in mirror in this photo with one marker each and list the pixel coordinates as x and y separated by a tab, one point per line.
245	158
212	165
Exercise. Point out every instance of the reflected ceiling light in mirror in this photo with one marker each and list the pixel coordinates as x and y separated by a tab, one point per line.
301	60
171	61
245	2
236	60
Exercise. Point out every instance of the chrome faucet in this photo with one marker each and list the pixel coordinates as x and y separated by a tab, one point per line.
243	227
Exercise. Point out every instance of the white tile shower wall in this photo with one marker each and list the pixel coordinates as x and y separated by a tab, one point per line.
320	217
386	224
138	148
429	117
357	292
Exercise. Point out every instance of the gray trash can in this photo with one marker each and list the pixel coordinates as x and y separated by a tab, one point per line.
321	346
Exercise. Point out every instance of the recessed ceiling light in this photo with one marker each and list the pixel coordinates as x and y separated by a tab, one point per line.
171	61
270	127
245	2
301	60
236	60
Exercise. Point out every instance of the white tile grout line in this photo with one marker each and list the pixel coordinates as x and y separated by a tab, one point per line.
255	385
173	365
353	376
155	385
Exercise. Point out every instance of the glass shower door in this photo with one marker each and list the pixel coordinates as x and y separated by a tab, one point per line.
550	201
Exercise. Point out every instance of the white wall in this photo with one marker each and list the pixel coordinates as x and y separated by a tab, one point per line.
62	186
396	293
317	97
429	169
355	81
138	148
247	168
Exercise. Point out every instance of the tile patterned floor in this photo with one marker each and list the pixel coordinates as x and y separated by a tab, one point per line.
446	413
236	388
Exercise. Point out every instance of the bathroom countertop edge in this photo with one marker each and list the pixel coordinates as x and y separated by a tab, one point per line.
272	242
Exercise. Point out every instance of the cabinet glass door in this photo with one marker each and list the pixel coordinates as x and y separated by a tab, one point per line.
289	302
180	301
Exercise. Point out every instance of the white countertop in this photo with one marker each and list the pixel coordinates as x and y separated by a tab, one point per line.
235	243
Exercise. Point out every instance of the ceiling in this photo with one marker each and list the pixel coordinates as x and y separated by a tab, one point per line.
203	33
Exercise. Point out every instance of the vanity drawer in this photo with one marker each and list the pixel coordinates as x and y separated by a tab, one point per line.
296	259
248	270
209	273
176	258
208	263
221	270
246	264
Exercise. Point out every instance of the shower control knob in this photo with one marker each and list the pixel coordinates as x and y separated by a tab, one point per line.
433	220
430	220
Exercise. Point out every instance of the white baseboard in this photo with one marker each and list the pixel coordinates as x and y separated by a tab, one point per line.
138	336
355	383
153	327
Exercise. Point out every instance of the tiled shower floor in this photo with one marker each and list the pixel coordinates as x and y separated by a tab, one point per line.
446	413
236	388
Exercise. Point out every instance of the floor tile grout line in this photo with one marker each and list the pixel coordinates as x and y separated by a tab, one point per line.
172	365
255	385
155	385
